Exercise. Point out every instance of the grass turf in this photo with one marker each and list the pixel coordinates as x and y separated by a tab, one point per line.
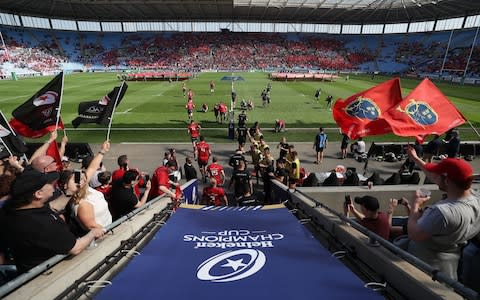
155	104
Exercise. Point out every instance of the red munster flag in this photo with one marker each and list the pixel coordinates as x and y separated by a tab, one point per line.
426	110
38	115
362	114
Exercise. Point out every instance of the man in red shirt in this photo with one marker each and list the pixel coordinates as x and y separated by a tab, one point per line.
203	154
369	216
194	131
161	182
214	195
215	171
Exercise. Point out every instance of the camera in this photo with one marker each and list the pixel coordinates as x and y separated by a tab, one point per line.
400	201
77	175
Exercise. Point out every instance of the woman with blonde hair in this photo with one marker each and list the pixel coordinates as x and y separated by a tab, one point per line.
89	209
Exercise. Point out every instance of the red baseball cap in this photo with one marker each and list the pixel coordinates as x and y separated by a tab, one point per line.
456	170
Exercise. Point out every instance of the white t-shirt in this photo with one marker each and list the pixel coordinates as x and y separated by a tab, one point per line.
100	207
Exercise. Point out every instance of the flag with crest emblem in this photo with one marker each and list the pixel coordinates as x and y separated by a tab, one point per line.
362	114
426	110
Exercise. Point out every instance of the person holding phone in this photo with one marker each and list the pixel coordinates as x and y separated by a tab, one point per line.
369	215
89	209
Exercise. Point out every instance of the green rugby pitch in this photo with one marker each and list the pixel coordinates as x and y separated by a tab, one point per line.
154	111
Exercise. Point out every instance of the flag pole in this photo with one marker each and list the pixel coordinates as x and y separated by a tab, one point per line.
10	127
475	130
6	147
60	102
113	110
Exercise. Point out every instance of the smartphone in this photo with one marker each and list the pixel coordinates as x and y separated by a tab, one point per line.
348	200
400	201
77	175
147	177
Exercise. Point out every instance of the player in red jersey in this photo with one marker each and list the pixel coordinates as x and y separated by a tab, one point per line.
190	106
215	171
194	131
214	195
203	155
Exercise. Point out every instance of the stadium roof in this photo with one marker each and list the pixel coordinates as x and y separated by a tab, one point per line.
311	11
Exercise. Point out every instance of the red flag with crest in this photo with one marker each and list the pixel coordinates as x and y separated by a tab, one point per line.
38	115
426	110
362	114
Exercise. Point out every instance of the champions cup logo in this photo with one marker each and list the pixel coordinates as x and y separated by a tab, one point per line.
420	112
45	99
363	108
240	238
231	265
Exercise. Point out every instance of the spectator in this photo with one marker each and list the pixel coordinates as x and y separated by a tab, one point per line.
294	169
38	233
320	144
369	216
283	146
432	148
190	172
214	195
453	144
344	145
124	199
123	166
281	174
437	232
161	182
470	267
105	179
89	207
358	149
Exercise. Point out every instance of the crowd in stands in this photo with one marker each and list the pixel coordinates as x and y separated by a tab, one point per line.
42	51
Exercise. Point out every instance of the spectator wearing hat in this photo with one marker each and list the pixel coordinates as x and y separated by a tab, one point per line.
369	216
438	232
30	225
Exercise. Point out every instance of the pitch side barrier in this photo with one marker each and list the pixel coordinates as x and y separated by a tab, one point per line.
32	286
400	270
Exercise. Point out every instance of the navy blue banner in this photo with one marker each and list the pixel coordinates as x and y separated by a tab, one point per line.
235	253
191	193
